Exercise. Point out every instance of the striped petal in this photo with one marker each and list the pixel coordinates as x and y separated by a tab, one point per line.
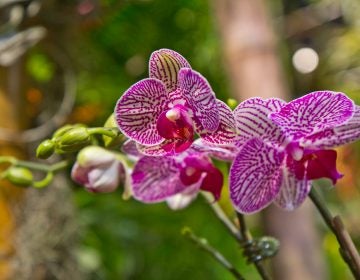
137	111
313	112
220	152
130	149
340	135
155	179
252	120
200	98
169	147
255	176
164	65
293	189
226	131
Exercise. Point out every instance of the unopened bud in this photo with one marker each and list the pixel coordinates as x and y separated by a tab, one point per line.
232	103
62	130
19	176
112	141
45	149
73	140
75	136
268	246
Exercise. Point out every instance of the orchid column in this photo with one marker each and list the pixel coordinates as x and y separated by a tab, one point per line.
251	59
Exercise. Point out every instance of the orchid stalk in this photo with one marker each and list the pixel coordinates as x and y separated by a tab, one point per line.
215	254
347	249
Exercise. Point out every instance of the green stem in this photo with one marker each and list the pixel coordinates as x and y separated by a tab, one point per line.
204	245
42	167
223	218
348	250
44	182
7	159
111	132
242	236
246	238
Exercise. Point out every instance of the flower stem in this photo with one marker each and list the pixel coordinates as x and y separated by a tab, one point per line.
223	218
347	248
242	236
42	167
247	239
110	132
204	245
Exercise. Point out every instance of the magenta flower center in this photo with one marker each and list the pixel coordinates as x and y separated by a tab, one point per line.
175	123
195	167
314	164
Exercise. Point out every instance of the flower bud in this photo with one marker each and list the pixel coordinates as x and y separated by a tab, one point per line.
232	103
59	132
19	176
72	140
268	246
45	149
112	141
98	170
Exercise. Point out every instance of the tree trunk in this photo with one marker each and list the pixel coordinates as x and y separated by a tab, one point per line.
251	59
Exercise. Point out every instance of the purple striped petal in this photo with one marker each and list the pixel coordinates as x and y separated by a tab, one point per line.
252	120
137	111
130	149
164	65
226	132
220	152
200	98
293	190
155	179
313	112
153	151
169	147
340	135
255	176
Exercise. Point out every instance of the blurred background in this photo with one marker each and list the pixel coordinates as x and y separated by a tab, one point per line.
68	61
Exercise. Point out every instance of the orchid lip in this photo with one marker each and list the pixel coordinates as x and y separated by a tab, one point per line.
175	124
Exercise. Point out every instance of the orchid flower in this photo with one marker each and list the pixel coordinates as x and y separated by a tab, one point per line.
176	180
162	113
99	170
283	146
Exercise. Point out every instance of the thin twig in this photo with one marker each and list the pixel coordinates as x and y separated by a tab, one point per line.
239	235
224	219
246	237
42	167
347	248
204	245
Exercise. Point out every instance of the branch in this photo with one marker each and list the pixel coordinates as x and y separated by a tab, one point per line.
347	248
204	245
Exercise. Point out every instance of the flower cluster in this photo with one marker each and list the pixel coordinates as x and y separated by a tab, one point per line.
175	125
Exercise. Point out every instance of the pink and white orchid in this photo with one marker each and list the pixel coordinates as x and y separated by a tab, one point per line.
163	112
283	146
176	180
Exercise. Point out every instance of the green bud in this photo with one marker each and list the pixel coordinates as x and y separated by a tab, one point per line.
75	136
232	103
19	176
45	149
268	246
72	140
110	122
111	142
62	130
